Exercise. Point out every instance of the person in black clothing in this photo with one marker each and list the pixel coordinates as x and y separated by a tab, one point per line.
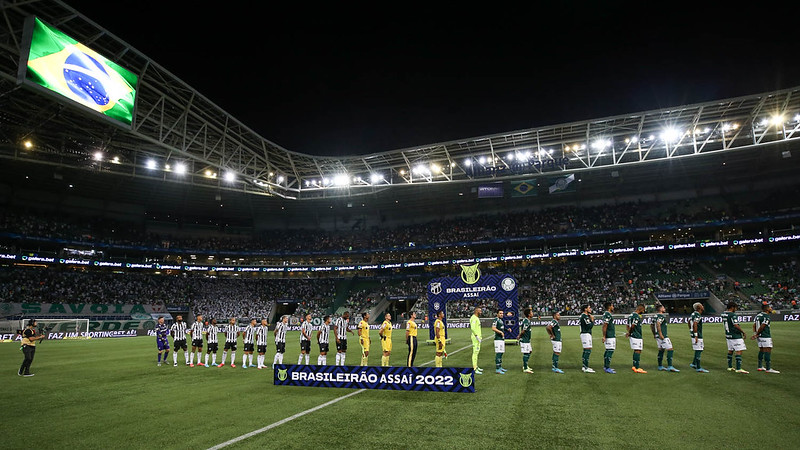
29	338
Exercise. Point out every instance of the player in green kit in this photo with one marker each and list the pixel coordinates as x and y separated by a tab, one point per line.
734	335
609	337
554	330
525	339
499	342
475	333
762	333
663	342
586	322
634	334
696	328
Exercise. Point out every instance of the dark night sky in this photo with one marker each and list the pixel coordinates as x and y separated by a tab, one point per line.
345	81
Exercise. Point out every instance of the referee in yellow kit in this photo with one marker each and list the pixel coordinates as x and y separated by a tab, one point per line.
411	338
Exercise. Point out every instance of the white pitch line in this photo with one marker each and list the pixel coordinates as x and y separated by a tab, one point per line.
303	413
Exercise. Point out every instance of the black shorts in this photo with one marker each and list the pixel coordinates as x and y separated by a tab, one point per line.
280	347
262	349
213	347
197	343
305	346
323	347
179	344
230	346
248	347
341	346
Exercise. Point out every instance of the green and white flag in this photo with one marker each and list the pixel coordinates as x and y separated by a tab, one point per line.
562	184
65	66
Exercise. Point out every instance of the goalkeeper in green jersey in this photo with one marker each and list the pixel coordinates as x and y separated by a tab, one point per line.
475	332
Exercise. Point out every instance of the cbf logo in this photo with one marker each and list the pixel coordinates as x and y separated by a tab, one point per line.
436	288
470	274
436	306
465	380
509	303
282	374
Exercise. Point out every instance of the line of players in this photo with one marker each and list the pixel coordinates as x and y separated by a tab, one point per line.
256	335
734	336
255	339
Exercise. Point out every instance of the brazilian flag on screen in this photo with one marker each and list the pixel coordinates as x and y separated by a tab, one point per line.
525	188
67	67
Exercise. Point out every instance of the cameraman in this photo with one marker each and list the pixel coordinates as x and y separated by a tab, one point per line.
29	338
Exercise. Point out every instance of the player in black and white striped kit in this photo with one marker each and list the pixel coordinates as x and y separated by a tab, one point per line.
341	328
231	335
306	330
248	338
212	339
197	341
280	340
262	333
322	340
178	332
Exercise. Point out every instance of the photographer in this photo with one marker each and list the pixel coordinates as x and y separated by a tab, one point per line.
29	338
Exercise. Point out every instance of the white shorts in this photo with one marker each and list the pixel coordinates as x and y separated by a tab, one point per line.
586	340
764	342
525	347
736	345
499	346
611	343
663	344
697	345
636	343
557	346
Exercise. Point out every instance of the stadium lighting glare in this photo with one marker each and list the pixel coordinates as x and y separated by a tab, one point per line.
671	134
167	167
482	160
435	168
600	144
98	156
115	160
797	118
777	119
230	177
341	180
150	164
28	145
180	168
510	157
208	173
280	179
467	162
376	178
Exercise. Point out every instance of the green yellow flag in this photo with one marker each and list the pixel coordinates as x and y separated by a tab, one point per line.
69	68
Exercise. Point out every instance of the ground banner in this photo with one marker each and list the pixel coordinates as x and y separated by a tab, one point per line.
433	379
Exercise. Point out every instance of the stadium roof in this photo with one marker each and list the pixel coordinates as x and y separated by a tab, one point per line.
176	126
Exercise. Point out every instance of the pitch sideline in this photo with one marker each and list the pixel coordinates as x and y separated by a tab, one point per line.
306	412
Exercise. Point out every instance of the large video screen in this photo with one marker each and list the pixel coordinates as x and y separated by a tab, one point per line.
62	65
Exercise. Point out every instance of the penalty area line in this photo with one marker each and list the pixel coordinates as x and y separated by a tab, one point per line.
303	413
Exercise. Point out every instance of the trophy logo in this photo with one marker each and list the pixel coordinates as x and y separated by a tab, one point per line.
470	274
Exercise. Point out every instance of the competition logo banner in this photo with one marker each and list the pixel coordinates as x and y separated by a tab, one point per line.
431	379
65	66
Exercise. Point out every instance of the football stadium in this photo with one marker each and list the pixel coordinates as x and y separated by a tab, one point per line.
170	278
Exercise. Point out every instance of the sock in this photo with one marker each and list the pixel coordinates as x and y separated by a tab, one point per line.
224	356
670	353
437	361
191	358
275	359
607	358
250	357
363	360
206	361
165	355
660	358
233	357
697	354
213	359
498	360
738	362
474	360
585	358
760	359
768	360
186	357
300	359
280	359
525	358
244	360
636	359
384	361
261	360
323	360
307	356
730	360
555	360
175	357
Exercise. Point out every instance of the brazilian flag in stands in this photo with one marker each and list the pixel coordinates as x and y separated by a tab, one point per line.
63	65
525	188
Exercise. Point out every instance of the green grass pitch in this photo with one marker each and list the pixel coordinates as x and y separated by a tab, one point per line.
107	393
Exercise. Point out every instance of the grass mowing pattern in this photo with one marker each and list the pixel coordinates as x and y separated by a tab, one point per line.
107	393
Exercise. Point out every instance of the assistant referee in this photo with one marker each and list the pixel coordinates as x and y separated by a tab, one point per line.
29	338
411	338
